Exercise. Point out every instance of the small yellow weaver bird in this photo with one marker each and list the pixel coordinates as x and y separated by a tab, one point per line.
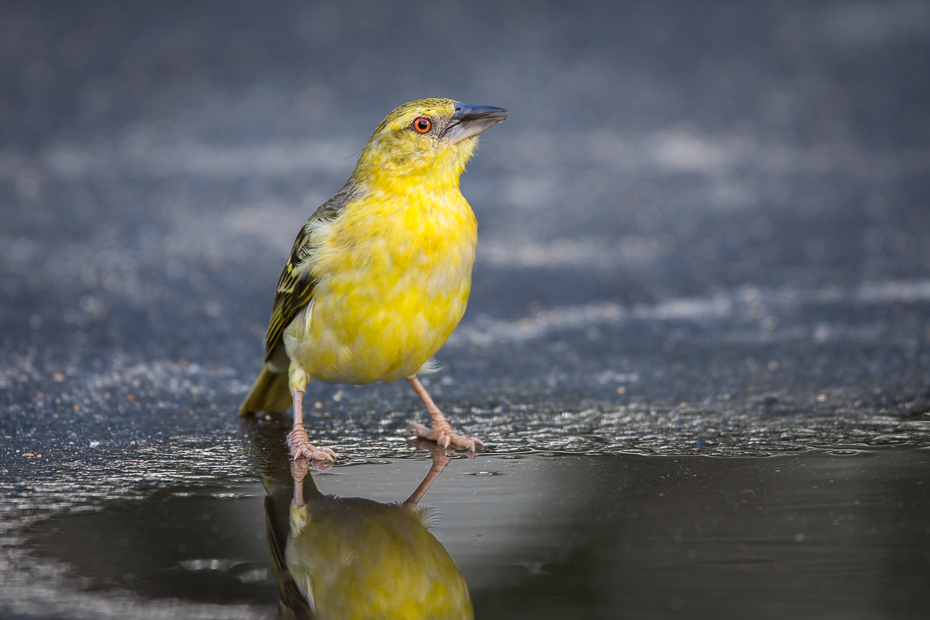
379	275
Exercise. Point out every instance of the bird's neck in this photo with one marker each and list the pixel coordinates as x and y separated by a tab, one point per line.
404	173
420	183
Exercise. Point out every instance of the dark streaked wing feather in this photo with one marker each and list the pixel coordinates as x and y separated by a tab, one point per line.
294	292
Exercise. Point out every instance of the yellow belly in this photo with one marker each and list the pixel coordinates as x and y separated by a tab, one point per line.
393	282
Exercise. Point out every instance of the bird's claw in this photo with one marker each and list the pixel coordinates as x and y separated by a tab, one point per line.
443	435
301	448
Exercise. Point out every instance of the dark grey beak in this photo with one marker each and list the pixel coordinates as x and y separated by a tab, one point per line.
470	120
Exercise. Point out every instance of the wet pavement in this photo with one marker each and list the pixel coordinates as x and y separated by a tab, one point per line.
838	533
704	260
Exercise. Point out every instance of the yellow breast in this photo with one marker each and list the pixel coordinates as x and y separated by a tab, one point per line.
394	273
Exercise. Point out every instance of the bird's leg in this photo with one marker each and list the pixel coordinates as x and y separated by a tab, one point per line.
441	431
297	439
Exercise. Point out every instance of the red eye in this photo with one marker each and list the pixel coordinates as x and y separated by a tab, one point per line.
422	124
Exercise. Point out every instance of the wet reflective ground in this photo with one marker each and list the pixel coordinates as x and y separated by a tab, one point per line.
839	533
697	344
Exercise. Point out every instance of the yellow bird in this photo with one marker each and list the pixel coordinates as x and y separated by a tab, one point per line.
379	275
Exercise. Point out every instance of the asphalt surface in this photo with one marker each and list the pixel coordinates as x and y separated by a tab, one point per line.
704	228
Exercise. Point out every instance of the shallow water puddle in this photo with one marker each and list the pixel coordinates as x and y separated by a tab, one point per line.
812	534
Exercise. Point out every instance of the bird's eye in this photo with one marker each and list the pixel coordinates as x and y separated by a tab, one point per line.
422	124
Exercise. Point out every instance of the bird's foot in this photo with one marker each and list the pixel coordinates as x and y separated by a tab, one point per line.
301	448
443	435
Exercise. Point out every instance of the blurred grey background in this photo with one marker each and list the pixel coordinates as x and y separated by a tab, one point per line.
704	226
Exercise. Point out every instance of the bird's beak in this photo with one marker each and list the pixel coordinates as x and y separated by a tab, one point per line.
470	120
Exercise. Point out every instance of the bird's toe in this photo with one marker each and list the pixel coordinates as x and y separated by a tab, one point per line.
445	437
301	448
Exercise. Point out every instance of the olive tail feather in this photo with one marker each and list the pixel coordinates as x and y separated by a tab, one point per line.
269	394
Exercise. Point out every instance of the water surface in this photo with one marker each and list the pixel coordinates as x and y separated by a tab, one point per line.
839	533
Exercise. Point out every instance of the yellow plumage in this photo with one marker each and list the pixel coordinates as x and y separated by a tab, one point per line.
380	275
393	276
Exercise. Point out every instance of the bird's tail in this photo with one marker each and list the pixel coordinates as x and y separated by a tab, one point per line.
269	394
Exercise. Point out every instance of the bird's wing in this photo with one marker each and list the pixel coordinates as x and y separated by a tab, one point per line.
295	290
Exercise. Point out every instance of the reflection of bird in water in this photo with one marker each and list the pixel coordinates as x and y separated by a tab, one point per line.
380	274
347	558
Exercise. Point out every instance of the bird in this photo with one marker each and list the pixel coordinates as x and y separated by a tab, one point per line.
379	275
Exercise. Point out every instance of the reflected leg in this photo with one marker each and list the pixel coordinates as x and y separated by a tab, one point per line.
440	460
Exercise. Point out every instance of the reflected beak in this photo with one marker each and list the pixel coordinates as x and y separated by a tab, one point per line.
470	120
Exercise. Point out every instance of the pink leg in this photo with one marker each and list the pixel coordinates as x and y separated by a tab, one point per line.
441	431
297	439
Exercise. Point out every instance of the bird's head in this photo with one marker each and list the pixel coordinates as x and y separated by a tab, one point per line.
426	139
